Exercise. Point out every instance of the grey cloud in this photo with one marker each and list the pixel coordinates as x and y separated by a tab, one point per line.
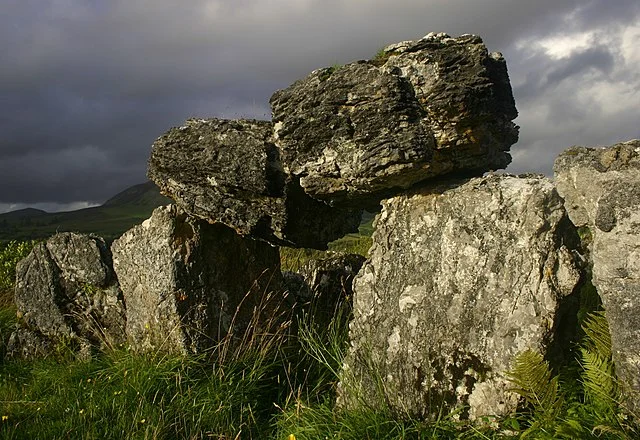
598	58
547	72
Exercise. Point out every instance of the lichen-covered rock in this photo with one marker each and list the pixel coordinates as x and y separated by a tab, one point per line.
357	133
188	283
230	172
66	293
601	188
323	284
460	280
29	345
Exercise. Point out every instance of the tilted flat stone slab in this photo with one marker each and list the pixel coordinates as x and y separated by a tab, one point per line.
357	133
460	280
601	188
230	172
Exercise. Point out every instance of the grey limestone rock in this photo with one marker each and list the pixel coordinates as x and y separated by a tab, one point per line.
601	188
66	293
461	279
188	284
322	285
357	133
230	172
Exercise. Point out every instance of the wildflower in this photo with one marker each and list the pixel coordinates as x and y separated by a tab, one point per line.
5	418
143	420
292	437
82	411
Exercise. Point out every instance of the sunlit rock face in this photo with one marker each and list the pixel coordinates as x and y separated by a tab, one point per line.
461	279
357	133
601	188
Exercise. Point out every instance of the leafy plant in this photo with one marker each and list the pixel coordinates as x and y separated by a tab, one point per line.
532	379
560	410
10	255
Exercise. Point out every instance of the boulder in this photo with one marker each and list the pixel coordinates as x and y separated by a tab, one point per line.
601	188
188	284
67	294
461	279
230	172
357	133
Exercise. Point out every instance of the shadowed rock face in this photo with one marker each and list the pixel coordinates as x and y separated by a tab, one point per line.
188	284
323	285
361	132
230	172
461	279
601	188
67	293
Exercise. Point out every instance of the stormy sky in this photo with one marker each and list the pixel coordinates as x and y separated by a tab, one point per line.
86	86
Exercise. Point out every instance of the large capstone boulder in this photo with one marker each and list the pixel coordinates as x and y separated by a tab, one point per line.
67	295
188	284
230	172
356	133
461	279
601	188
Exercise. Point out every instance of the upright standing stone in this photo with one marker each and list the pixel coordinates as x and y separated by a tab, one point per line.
601	188
460	281
188	284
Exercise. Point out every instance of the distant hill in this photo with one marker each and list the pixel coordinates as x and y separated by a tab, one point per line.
145	194
24	213
110	220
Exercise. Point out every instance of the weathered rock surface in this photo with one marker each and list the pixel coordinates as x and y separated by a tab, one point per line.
67	293
230	172
601	188
188	283
357	133
323	284
460	280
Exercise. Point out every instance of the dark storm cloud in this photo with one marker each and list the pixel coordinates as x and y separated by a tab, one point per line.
88	85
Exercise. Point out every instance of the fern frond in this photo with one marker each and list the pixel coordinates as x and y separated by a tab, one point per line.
532	379
599	381
598	378
597	336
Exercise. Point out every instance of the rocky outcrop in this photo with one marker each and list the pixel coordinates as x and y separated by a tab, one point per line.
461	279
66	294
188	284
230	172
357	133
601	188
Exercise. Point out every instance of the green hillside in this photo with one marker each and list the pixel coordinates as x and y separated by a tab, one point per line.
115	216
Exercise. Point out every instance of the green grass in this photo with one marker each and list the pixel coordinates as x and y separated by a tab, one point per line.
278	387
284	386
